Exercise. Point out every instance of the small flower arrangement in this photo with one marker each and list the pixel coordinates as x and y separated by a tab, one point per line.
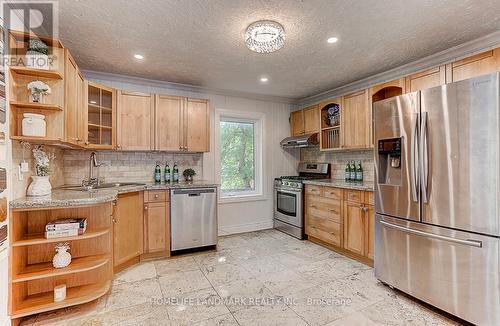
42	159
38	88
189	174
38	46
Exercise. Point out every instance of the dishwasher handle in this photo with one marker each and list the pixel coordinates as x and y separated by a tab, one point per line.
194	192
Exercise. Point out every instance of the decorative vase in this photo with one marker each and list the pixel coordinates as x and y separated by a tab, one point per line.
40	186
36	97
188	178
37	60
62	258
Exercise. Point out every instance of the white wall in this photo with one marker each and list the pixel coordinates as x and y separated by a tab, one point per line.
240	216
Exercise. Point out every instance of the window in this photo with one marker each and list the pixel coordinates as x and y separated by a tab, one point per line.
240	144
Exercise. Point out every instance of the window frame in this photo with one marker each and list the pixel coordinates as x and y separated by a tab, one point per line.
258	120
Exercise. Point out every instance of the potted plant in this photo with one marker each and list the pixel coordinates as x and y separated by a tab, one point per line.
37	89
40	186
37	54
188	174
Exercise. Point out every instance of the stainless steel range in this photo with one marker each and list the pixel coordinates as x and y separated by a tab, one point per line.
289	197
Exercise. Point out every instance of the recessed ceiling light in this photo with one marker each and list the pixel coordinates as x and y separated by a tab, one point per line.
332	40
138	56
265	36
264	79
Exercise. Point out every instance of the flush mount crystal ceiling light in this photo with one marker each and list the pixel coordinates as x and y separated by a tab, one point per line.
265	36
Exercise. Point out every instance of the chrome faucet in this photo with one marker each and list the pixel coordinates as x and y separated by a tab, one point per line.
92	181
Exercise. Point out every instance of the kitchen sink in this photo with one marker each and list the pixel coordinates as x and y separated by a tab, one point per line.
110	185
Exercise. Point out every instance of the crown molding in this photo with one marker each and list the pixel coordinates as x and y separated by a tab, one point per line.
98	75
458	52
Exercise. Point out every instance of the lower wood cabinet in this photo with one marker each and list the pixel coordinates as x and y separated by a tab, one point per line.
157	222
342	218
128	228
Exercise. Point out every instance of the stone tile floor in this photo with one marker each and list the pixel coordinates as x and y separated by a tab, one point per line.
259	278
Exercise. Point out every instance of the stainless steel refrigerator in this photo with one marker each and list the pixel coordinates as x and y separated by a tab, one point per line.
437	196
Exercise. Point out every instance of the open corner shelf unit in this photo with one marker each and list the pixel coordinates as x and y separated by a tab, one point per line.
331	124
32	276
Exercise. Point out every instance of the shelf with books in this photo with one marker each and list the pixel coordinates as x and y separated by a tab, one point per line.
33	277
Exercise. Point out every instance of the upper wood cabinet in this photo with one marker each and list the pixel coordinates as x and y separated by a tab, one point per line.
128	228
477	65
305	121
168	123
74	105
356	120
426	79
297	123
196	125
181	124
311	119
135	121
100	116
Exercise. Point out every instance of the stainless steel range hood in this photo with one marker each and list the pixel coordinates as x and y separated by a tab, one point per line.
300	141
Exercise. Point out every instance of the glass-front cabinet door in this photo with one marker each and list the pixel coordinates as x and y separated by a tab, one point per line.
101	116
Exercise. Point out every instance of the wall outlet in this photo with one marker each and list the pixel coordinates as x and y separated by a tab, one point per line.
25	167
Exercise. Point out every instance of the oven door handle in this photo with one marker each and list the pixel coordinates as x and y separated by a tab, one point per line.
288	191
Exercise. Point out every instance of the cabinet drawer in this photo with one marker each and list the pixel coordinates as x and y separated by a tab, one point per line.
352	195
369	198
324	207
314	190
334	193
156	196
324	230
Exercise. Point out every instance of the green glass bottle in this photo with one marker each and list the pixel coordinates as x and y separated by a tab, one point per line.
359	172
175	173
353	171
347	171
167	176
157	172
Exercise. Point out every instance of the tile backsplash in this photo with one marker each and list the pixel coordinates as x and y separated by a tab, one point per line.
126	166
338	161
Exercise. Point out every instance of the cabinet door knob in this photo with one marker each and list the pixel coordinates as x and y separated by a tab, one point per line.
146	207
156	196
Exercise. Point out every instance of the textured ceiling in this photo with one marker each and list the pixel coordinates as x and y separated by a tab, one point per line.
200	42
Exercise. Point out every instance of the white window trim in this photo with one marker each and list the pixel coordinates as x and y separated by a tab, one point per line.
258	119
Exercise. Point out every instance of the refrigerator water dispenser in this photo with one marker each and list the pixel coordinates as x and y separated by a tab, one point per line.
389	151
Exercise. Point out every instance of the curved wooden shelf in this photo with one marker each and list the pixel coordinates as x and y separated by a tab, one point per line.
53	74
37	239
35	106
43	302
44	270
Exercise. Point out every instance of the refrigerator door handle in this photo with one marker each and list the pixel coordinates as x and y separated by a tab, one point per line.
414	158
472	243
424	158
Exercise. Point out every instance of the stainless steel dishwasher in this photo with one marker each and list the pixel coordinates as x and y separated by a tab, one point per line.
193	218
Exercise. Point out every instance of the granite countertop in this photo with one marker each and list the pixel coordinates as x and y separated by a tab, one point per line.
67	198
365	186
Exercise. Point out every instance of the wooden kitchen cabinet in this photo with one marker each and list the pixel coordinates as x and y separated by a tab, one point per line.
370	231
135	121
74	105
157	223
196	125
354	230
297	123
311	119
168	123
426	79
356	121
477	65
305	121
128	230
100	114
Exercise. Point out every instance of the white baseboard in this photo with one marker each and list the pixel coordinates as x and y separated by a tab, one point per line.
242	228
